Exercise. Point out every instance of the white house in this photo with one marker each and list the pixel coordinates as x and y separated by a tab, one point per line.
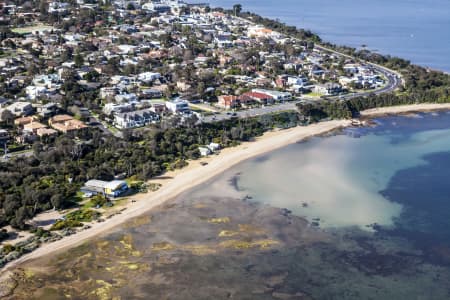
135	118
177	106
148	76
47	80
34	92
204	151
126	98
214	147
276	95
58	7
20	108
109	188
328	88
296	80
115	108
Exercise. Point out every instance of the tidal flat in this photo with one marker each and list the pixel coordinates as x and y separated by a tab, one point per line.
233	248
265	230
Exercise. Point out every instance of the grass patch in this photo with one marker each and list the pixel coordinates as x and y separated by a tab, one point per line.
76	219
97	201
313	94
30	29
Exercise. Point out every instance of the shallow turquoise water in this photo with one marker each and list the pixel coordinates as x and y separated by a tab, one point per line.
394	174
339	179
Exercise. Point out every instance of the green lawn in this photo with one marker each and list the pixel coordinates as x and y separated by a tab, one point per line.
29	29
313	94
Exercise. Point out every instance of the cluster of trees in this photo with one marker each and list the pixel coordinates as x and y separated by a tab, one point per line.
56	171
314	112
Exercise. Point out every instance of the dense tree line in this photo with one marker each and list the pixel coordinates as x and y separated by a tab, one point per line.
52	176
313	112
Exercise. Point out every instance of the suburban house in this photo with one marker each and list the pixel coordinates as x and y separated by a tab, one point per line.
158	107
148	77
177	106
115	108
66	124
151	93
259	97
46	132
4	136
209	149
23	120
113	188
33	127
47	110
258	31
228	101
20	108
204	151
328	88
108	92
277	96
33	92
297	81
135	118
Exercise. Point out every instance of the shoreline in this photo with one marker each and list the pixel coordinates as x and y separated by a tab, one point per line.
178	181
403	109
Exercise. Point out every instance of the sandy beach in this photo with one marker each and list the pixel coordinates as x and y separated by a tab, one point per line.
402	109
176	182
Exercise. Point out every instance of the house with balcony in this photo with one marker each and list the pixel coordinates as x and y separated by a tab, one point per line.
134	119
328	89
178	106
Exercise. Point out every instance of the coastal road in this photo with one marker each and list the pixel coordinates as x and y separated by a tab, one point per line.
394	81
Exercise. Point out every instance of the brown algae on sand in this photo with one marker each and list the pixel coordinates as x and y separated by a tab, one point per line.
219	220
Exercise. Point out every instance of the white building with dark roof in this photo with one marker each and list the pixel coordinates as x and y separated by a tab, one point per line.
134	119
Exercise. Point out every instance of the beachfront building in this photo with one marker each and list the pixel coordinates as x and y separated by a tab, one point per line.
135	118
276	95
328	88
178	106
113	188
228	101
257	97
204	151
